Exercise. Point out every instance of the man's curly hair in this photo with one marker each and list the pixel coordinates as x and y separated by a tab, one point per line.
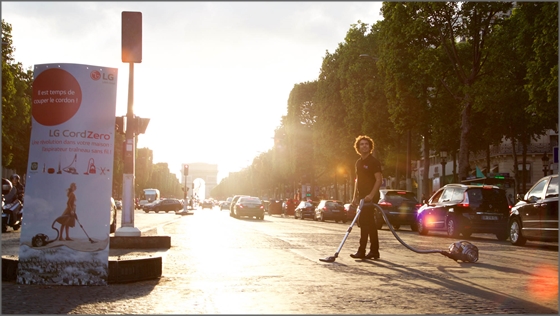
357	143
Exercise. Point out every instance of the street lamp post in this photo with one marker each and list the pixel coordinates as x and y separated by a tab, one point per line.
443	156
545	164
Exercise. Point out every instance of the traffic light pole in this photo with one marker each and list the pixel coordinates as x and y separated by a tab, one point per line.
186	189
127	220
185	195
131	53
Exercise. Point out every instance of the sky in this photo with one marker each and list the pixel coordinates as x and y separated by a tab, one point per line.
215	77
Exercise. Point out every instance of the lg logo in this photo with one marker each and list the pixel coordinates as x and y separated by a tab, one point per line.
96	75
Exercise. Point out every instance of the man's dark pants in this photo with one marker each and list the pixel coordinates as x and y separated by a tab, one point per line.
368	228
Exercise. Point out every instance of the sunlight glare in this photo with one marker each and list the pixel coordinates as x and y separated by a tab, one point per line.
543	283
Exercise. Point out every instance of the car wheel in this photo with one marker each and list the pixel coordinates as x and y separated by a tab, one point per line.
166	211
396	227
515	236
467	233
414	227
157	211
452	230
146	211
421	227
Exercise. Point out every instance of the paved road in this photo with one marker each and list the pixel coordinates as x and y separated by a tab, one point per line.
221	265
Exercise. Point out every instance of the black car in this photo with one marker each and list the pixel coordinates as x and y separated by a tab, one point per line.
226	204
330	210
466	209
164	205
535	216
400	207
248	206
305	209
233	201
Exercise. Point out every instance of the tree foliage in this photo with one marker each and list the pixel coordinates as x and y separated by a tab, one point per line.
16	106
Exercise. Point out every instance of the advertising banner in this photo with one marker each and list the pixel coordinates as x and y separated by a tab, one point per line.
67	203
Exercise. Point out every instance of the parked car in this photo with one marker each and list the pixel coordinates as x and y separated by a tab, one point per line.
141	203
226	204
164	205
466	209
113	224
305	209
248	206
275	207
289	206
535	216
350	211
233	201
330	210
207	204
400	207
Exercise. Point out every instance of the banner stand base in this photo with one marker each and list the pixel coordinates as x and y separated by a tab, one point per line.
128	232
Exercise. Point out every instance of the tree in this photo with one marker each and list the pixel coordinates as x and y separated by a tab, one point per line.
510	87
16	106
538	38
299	126
461	30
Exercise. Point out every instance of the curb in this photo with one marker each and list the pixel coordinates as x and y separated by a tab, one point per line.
141	242
120	271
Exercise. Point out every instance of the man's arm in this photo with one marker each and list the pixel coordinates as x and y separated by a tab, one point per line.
355	195
376	186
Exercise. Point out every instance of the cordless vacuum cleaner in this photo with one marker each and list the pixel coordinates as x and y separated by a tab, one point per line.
460	250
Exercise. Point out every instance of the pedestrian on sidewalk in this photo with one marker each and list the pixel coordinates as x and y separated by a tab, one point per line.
368	181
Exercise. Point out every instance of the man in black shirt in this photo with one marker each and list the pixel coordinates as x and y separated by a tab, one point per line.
368	182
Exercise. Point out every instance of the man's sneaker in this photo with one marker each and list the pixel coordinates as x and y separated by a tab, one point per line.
358	255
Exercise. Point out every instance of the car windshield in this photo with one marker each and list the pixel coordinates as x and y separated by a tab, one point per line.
249	200
400	196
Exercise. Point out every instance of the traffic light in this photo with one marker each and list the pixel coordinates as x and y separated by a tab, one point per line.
131	37
120	124
186	170
141	125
